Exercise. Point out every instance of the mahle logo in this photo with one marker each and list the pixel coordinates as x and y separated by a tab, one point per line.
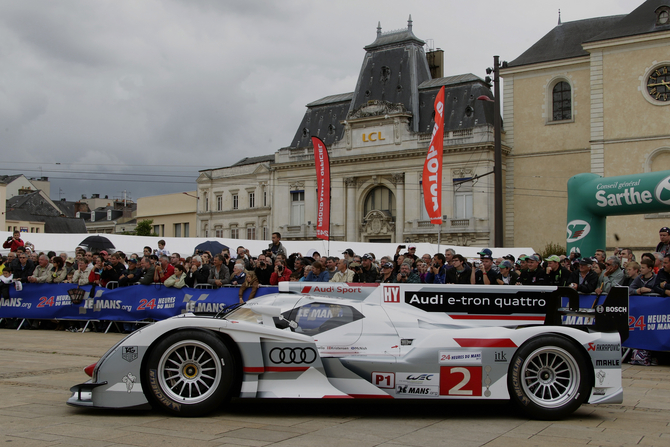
577	229
663	191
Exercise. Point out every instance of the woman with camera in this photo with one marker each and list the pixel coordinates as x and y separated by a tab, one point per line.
58	271
281	273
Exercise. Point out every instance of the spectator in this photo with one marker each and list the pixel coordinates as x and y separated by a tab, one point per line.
331	266
238	277
507	275
343	274
70	265
318	273
131	275
178	278
411	253
276	246
147	251
41	273
306	272
243	255
23	268
175	259
6	280
368	272
163	269
575	253
263	270
206	258
58	272
662	283
422	270
112	269
148	270
485	273
348	256
584	280
13	242
437	272
627	255
406	275
281	273
219	274
600	255
611	277
644	282
663	246
632	271
449	254
251	281
198	273
460	273
557	275
522	264
533	275
94	276
387	275
427	259
80	276
162	251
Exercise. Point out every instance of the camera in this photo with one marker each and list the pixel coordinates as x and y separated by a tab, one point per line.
403	275
477	263
9	239
402	246
280	268
107	263
436	265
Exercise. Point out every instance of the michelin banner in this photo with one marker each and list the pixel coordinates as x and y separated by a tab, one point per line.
135	303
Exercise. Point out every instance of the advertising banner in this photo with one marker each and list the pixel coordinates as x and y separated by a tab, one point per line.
134	303
322	163
432	167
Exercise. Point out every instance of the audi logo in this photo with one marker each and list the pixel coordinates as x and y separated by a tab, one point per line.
293	355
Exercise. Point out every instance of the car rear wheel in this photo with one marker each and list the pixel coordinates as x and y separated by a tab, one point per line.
548	378
189	373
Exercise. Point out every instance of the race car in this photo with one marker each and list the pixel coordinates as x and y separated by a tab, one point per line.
533	345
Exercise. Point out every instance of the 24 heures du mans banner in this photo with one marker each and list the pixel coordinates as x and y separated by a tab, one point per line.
432	168
322	164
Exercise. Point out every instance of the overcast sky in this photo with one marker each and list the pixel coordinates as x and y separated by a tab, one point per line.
138	95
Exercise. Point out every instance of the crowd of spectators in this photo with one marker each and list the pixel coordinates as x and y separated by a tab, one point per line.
595	274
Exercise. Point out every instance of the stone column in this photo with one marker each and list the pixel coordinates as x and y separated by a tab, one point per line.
399	182
351	210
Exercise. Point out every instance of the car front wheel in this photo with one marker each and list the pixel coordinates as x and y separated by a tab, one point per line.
189	373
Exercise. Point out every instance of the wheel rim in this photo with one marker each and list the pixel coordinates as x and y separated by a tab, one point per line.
189	371
550	377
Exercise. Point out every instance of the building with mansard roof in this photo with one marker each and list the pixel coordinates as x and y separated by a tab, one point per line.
593	96
377	137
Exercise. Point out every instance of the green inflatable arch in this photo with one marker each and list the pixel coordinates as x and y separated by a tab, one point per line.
591	198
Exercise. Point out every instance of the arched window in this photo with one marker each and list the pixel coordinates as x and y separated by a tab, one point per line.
380	198
562	101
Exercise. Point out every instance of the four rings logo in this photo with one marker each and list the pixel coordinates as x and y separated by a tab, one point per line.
293	355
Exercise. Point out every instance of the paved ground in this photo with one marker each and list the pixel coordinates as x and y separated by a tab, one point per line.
38	367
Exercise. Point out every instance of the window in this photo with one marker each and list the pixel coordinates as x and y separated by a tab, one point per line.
251	233
265	233
177	230
380	198
206	229
186	228
562	101
265	198
235	201
462	198
219	203
157	229
297	207
205	202
234	233
252	200
219	232
315	318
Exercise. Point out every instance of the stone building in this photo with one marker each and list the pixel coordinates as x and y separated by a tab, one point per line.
377	137
590	96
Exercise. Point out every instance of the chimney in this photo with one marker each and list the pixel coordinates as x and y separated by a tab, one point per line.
436	63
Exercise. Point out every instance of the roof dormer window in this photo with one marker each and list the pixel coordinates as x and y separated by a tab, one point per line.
662	15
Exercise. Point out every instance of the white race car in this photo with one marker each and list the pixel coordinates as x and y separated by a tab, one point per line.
533	345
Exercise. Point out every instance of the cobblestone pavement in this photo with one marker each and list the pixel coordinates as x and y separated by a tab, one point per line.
38	367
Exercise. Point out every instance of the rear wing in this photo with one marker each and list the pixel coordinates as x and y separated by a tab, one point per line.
608	314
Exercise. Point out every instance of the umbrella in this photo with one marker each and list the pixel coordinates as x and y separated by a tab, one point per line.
214	247
97	243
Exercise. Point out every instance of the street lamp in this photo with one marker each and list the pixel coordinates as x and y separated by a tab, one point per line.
497	160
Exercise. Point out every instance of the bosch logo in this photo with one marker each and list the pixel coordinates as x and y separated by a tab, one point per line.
293	355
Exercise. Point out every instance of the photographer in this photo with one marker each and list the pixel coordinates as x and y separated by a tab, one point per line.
437	274
281	273
13	242
112	269
406	275
263	270
485	273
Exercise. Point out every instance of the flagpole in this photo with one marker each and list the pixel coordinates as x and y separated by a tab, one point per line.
439	236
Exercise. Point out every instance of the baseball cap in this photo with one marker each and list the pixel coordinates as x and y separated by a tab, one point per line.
553	258
533	258
509	257
585	261
367	256
133	260
485	252
664	230
348	251
103	252
354	265
411	246
387	265
506	264
69	261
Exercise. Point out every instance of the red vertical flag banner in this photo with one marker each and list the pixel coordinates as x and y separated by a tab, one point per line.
432	168
322	164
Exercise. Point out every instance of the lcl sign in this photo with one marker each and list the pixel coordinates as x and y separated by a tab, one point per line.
373	136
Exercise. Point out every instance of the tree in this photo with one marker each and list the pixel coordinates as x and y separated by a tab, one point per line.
145	228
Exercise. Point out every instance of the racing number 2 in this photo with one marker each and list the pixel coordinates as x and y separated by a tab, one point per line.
461	380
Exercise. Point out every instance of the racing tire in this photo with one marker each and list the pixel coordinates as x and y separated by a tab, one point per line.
549	378
189	373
